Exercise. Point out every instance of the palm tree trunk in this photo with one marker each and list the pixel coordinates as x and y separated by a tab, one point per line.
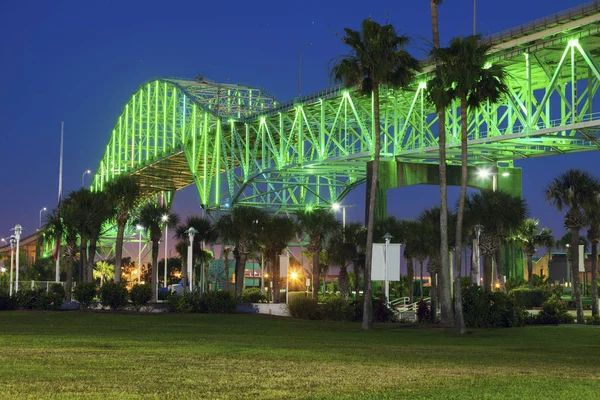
421	288
275	276
240	272
91	260
447	313
594	278
410	274
474	263
344	283
487	272
119	252
433	296
459	319
529	270
499	274
367	322
356	280
82	259
154	270
576	290
69	281
316	273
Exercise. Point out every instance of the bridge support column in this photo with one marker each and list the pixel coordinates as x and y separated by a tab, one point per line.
393	174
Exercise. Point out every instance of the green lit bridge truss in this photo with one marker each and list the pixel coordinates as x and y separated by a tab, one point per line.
238	145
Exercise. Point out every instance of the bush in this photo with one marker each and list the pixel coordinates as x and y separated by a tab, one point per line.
253	295
423	312
7	302
337	309
220	302
304	308
490	310
381	312
189	302
140	295
113	295
172	301
84	293
554	311
56	296
528	298
28	299
592	320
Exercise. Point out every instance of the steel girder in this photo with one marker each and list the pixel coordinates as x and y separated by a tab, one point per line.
239	146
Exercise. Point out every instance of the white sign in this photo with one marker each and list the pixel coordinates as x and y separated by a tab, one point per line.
378	266
284	262
581	258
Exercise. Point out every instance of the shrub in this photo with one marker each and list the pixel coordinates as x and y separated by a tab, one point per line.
337	309
140	295
189	302
534	297
490	310
554	311
253	295
56	297
7	302
28	298
220	302
381	312
84	293
423	312
304	308
113	295
592	320
172	301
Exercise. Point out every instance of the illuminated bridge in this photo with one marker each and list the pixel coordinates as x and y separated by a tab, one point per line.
239	145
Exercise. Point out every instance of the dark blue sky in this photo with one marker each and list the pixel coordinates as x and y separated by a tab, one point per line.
80	62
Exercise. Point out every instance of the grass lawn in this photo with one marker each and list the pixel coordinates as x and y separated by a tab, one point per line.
72	355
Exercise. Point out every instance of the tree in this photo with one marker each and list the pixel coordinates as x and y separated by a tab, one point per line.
377	57
355	234
438	96
341	253
242	226
277	232
528	236
497	213
125	195
465	74
206	234
576	190
593	234
318	225
68	215
150	217
104	271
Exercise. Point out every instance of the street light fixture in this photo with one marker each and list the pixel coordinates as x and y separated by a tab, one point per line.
387	237
13	241
18	229
191	233
86	172
165	219
41	211
484	173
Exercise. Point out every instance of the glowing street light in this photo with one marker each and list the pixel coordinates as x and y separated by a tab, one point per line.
191	233
294	275
41	211
485	173
86	172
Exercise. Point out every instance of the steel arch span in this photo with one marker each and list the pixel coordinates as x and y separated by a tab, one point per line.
238	145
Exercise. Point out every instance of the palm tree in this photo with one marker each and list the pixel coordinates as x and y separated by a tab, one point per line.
577	190
206	233
528	236
318	224
377	57
464	71
104	271
341	253
593	234
68	212
102	210
277	232
497	213
242	226
226	252
440	99
150	217
125	195
355	235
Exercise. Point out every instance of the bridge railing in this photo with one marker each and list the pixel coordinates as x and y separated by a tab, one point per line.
546	22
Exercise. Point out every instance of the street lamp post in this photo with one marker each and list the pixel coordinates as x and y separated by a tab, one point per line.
165	219
191	232
387	238
18	229
13	241
86	172
336	207
41	211
300	65
139	274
